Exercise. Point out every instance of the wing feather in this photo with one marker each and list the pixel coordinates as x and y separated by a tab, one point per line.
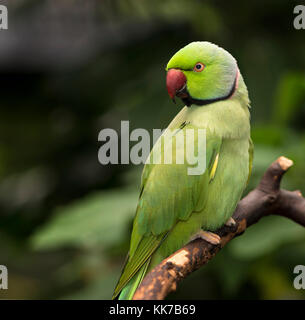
168	195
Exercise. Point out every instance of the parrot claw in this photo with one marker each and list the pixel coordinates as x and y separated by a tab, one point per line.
208	236
230	222
231	225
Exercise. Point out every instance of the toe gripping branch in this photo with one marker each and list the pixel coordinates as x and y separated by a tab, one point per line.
266	199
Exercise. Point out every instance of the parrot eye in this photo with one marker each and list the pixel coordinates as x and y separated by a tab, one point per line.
199	67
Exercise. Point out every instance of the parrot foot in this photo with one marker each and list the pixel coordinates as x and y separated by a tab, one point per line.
208	236
230	222
231	225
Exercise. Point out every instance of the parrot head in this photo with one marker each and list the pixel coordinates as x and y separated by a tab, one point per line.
201	73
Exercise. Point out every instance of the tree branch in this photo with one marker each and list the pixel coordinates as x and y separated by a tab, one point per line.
266	199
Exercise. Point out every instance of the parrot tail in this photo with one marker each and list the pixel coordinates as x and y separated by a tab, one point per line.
131	287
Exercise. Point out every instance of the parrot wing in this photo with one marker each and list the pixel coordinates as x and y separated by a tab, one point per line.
251	151
168	195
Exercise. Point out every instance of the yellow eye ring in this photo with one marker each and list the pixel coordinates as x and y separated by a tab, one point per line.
199	67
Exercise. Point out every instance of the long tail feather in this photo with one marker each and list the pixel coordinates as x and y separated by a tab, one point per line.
131	287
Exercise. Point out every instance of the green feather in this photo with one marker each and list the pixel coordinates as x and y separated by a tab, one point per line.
129	290
157	216
173	205
251	151
135	262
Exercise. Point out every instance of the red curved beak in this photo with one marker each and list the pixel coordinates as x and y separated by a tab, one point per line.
175	81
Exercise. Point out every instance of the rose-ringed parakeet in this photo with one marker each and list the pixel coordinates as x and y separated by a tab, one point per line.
174	206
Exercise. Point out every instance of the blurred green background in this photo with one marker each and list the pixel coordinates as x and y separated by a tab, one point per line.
71	68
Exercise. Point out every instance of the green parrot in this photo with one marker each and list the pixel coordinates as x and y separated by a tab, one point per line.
175	206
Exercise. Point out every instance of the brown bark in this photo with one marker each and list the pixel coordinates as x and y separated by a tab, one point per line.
266	199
